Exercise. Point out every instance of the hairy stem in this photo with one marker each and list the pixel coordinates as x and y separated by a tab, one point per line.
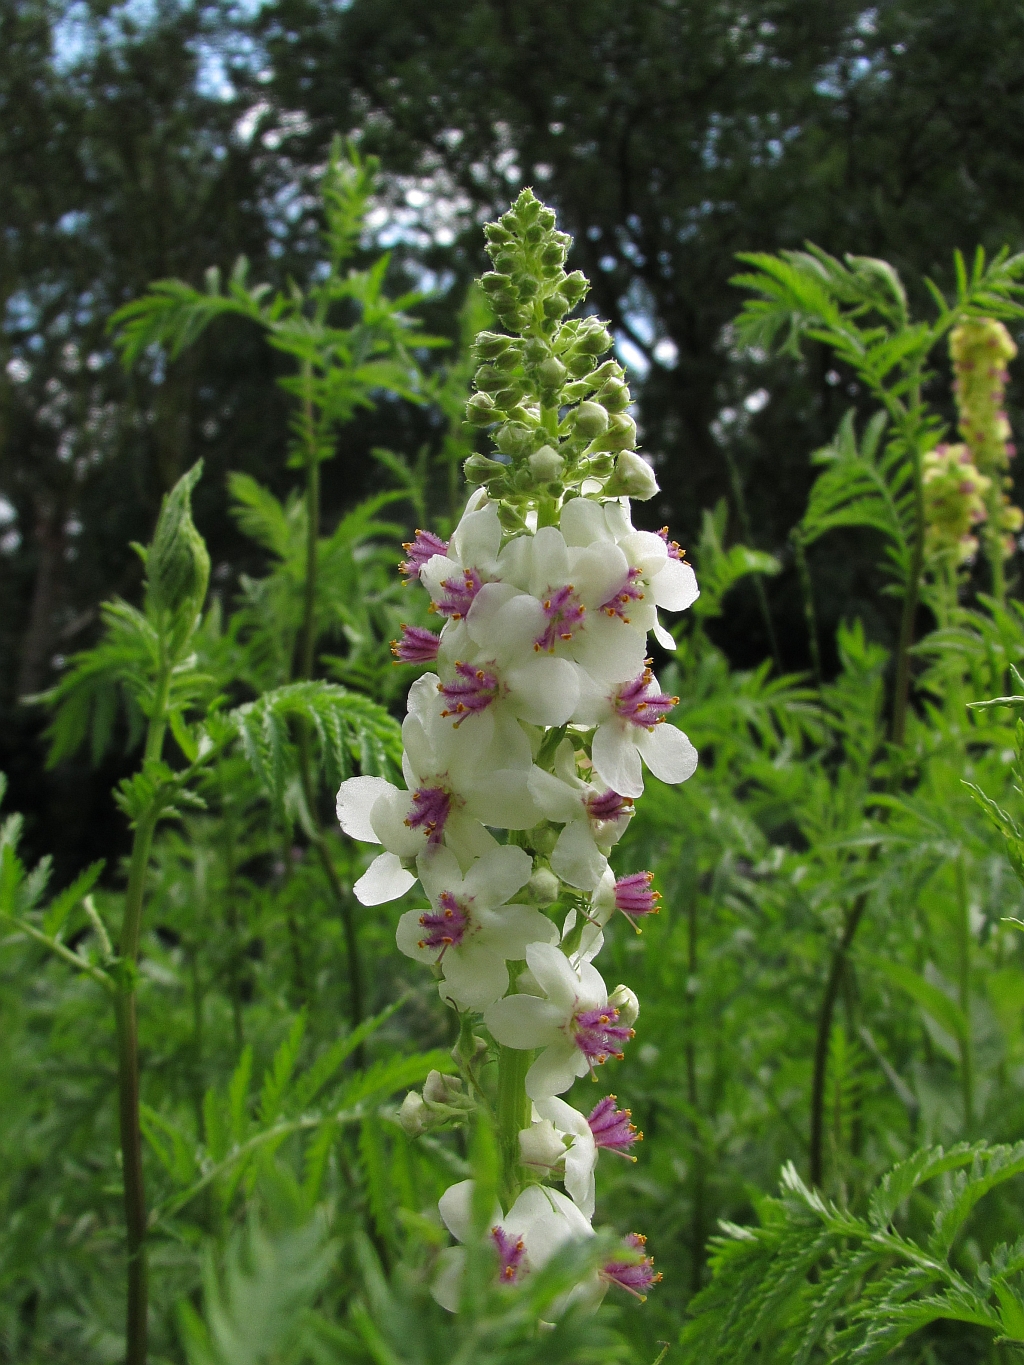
513	1114
824	1032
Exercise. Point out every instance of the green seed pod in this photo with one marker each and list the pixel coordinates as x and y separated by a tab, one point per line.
177	562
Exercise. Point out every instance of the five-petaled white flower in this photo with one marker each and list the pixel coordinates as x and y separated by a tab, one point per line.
455	787
630	726
537	1226
594	818
573	1020
470	930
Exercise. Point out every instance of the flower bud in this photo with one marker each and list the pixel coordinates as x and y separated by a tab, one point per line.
575	287
412	1114
546	464
478	469
625	1001
542	889
621	433
633	477
177	562
515	439
551	374
480	410
591	420
580	364
614	395
540	1147
441	1089
594	341
489	379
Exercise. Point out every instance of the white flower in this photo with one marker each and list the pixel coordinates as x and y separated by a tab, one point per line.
502	676
658	576
573	1022
571	592
594	818
555	1122
537	1226
464	931
630	726
454	578
455	788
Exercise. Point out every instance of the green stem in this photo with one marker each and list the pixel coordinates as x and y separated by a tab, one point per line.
807	592
513	1115
901	691
306	643
127	1029
964	954
126	1020
824	1032
762	597
993	540
305	657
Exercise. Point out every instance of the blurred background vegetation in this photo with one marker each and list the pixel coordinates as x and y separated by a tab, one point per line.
155	139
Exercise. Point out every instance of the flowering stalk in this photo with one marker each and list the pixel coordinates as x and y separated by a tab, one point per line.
980	349
541	715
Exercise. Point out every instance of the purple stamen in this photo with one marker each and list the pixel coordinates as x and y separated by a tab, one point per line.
618	602
510	1255
639	703
471	692
459	594
634	897
674	552
420	551
564	613
612	1129
636	1274
445	927
417	646
430	809
608	805
599	1035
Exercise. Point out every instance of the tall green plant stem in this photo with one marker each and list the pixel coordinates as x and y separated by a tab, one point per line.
513	1114
964	984
823	1034
909	423
127	1029
305	651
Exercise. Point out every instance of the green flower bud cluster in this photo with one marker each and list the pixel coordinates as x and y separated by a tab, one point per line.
557	411
954	503
980	349
177	564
